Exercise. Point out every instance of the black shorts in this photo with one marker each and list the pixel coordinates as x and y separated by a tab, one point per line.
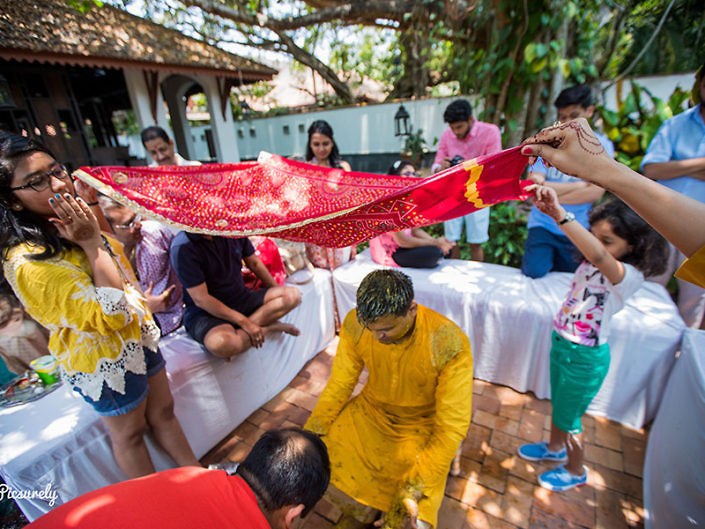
200	322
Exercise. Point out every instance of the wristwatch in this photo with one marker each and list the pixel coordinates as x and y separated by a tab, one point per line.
568	217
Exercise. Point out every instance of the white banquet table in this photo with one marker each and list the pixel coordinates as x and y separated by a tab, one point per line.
674	468
59	442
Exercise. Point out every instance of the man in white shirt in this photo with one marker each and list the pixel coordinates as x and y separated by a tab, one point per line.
161	148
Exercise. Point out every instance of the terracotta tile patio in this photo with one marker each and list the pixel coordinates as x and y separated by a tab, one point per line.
497	489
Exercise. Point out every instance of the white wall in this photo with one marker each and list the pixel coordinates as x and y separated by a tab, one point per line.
661	86
366	129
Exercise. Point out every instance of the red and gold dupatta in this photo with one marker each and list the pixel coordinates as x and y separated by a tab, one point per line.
302	202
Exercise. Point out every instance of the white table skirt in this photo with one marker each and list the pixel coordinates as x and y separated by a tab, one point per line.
674	469
509	316
60	442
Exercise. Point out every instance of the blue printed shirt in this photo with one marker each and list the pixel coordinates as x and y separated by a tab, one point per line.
680	138
581	211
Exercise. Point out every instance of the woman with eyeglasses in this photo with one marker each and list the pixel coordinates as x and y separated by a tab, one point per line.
78	284
412	247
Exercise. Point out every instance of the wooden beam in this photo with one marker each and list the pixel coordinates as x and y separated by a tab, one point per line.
224	86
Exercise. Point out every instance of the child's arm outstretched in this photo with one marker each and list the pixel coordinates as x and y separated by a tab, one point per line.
546	200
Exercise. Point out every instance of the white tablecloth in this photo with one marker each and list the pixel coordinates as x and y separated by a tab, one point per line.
674	469
508	318
59	441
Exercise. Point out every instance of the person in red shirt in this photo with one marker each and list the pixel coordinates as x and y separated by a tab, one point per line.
281	479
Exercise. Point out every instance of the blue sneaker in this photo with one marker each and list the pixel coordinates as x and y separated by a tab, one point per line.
540	452
559	479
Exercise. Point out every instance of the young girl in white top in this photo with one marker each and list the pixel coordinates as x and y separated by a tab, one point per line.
619	250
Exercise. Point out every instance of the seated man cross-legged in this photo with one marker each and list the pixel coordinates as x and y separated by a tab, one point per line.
221	312
392	445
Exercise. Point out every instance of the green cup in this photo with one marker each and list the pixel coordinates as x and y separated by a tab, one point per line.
46	369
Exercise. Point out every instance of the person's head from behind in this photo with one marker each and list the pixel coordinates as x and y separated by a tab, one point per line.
126	224
402	168
29	177
574	102
159	145
386	306
288	470
628	238
458	115
321	146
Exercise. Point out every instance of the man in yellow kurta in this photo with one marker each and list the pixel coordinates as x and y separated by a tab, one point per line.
392	445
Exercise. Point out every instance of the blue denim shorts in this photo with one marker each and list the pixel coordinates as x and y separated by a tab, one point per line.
477	225
112	403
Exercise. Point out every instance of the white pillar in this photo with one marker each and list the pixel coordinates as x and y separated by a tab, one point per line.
177	111
139	98
223	128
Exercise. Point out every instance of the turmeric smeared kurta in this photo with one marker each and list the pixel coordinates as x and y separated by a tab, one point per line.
405	426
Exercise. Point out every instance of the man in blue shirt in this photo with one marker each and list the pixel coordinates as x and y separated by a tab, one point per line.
221	312
676	159
546	248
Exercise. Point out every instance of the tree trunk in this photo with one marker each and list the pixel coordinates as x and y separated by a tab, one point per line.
416	75
557	80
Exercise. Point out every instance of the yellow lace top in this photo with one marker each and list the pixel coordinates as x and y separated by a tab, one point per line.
96	334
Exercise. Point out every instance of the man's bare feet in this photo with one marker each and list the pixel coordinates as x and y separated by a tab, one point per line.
279	326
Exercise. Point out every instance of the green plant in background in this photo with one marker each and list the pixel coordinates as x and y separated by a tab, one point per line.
507	235
635	123
414	147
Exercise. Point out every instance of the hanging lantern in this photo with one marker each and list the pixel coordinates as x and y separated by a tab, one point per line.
401	122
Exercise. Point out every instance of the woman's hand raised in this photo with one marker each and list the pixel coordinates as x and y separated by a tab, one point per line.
572	148
74	220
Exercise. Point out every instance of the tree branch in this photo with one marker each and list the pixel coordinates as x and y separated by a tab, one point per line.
355	12
643	50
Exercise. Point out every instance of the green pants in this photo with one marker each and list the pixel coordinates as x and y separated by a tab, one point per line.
577	373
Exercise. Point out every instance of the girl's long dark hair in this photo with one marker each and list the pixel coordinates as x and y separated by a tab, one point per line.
22	226
322	127
649	251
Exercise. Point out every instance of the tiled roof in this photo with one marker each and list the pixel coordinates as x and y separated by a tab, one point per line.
51	31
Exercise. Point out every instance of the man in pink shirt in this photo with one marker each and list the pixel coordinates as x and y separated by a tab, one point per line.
466	138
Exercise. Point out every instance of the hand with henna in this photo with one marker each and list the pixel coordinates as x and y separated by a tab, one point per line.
74	220
572	148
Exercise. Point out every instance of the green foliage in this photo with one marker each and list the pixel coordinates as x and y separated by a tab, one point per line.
415	147
632	127
125	122
84	5
507	235
679	45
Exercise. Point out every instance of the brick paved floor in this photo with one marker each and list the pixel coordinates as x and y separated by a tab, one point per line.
497	489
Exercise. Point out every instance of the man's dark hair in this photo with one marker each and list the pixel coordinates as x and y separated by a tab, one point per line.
575	95
382	293
459	110
287	467
154	132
